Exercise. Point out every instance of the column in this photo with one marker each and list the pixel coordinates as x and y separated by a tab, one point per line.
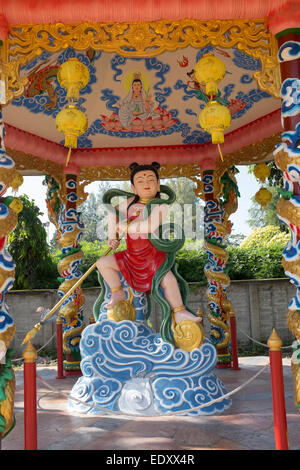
229	203
9	209
218	282
71	231
285	24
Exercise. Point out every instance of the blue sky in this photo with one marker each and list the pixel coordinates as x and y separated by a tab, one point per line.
247	183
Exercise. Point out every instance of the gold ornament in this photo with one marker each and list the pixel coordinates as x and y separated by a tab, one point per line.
209	71
145	39
188	335
262	171
274	341
29	354
215	118
263	197
16	205
123	310
73	75
17	181
72	123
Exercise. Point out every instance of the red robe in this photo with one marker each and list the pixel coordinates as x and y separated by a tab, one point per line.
139	262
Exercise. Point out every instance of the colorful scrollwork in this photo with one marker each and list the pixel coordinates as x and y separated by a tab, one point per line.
9	208
287	159
71	312
218	282
139	39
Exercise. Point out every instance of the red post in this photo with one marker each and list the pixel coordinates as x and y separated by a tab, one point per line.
59	348
30	412
279	413
234	350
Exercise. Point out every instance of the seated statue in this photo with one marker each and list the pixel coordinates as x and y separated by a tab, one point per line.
148	262
127	367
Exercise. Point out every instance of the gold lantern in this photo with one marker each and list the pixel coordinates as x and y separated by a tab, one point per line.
215	118
73	75
72	123
262	171
209	71
263	197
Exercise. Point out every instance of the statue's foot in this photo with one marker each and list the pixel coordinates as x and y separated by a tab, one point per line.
116	296
184	314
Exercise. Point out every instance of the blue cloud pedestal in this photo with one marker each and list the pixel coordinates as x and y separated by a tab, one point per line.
127	368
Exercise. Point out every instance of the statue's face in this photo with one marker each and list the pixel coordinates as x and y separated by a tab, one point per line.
145	184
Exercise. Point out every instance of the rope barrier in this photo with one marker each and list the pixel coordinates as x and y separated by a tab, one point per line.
262	344
21	358
152	416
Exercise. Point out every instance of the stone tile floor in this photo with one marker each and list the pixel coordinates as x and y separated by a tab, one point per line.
246	425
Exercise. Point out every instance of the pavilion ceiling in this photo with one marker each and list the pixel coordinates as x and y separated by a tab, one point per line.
118	133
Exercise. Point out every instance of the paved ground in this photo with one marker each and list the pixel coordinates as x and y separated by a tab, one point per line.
246	425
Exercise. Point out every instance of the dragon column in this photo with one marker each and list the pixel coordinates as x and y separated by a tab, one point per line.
9	209
69	232
287	159
215	231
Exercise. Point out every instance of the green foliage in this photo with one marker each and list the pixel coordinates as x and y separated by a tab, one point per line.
191	265
28	246
268	236
255	263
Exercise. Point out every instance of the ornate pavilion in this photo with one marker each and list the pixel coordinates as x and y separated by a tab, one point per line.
160	43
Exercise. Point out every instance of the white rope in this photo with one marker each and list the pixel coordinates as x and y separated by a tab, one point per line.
152	416
262	344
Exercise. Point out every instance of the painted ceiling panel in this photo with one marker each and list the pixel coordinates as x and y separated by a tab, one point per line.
131	102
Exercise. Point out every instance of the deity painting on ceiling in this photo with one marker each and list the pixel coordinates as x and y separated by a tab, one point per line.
137	111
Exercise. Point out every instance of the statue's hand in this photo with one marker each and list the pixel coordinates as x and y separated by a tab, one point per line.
113	243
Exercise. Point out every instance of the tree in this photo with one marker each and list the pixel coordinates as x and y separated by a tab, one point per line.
28	246
191	207
268	216
91	212
267	236
235	239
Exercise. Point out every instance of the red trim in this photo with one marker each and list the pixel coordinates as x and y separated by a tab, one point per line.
204	154
74	11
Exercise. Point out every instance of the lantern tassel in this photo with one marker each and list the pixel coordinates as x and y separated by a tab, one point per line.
68	157
220	152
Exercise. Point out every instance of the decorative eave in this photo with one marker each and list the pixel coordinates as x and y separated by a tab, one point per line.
250	144
72	11
205	155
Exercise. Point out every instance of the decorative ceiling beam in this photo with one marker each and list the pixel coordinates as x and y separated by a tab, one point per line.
139	39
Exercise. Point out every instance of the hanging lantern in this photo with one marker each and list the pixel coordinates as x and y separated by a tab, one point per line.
73	75
263	197
209	71
72	123
215	118
262	171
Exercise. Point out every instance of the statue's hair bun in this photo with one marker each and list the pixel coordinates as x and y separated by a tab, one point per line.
133	165
155	165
